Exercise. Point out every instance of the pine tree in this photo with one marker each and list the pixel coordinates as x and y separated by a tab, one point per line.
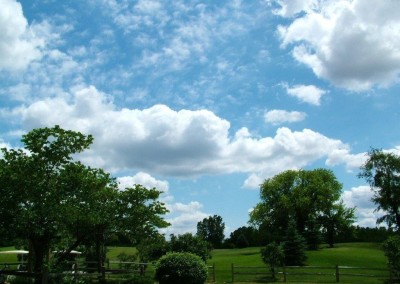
294	246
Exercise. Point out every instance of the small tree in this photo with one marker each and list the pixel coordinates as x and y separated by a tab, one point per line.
181	268
294	246
211	229
391	248
273	256
189	243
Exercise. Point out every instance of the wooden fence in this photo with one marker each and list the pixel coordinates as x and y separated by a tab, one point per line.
85	269
310	274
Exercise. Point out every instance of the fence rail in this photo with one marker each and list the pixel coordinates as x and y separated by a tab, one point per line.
323	273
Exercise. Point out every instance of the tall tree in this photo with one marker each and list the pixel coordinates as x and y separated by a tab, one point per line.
53	202
30	180
301	196
212	229
382	172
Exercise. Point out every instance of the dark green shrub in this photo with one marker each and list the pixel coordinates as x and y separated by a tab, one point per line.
391	248
181	268
273	256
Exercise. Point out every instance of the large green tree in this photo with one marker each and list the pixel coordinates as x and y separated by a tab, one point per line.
212	229
299	195
33	194
382	172
55	203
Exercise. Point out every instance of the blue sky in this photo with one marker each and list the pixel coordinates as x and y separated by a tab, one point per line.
206	99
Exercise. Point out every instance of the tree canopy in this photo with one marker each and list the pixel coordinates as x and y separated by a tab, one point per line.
51	201
301	195
212	229
382	172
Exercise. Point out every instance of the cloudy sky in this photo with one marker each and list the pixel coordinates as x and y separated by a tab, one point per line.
206	99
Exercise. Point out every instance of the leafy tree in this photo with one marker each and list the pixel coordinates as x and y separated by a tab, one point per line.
250	234
312	234
54	202
212	230
30	181
336	220
273	256
151	249
382	172
192	244
391	248
300	195
294	246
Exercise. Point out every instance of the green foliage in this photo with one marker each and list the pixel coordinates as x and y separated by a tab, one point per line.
192	244
211	229
312	234
294	246
181	268
391	248
151	249
50	201
244	237
382	172
301	195
273	256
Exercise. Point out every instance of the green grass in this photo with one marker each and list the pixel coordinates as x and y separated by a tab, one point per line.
7	257
367	255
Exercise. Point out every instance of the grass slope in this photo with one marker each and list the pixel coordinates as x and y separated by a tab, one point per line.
368	255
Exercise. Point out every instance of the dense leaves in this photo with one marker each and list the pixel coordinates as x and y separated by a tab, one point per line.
273	256
301	196
181	268
192	244
212	229
52	202
382	172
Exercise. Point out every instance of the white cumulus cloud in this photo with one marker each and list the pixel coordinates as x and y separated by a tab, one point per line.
306	93
278	116
159	140
354	44
18	42
360	197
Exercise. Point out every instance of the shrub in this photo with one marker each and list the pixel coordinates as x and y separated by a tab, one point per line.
391	248
273	256
181	268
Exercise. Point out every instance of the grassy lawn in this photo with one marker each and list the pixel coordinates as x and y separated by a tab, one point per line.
368	255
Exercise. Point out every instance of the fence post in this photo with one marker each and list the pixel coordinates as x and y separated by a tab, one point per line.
337	273
233	273
284	273
214	272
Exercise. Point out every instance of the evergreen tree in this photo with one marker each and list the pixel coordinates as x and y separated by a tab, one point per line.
294	246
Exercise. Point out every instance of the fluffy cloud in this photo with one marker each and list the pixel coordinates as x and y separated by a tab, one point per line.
278	116
18	43
346	42
306	93
360	197
184	218
160	140
144	179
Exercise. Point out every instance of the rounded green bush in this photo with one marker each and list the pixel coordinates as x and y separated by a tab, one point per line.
181	268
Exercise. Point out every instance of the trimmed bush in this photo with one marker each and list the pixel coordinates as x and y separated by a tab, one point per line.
181	268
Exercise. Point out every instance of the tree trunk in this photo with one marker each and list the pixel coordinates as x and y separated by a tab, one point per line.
40	247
